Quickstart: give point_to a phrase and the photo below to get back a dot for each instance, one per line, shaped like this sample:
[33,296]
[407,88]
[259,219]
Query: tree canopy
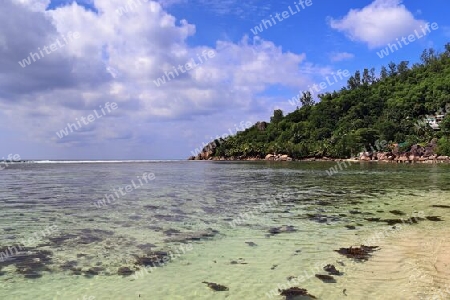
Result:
[388,107]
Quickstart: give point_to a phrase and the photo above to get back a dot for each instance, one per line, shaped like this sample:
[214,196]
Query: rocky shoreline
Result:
[416,154]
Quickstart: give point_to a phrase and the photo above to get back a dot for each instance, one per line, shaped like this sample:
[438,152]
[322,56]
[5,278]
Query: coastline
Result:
[285,158]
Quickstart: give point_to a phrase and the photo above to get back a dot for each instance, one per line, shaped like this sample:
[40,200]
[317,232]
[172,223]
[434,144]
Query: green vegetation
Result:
[370,108]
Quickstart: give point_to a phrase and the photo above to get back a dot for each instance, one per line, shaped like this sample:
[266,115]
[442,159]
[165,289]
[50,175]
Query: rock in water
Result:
[295,292]
[326,278]
[331,270]
[216,287]
[362,253]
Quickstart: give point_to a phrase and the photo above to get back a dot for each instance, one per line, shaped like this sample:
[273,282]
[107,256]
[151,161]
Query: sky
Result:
[114,79]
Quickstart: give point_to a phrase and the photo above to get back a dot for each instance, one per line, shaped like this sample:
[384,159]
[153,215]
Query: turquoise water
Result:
[246,225]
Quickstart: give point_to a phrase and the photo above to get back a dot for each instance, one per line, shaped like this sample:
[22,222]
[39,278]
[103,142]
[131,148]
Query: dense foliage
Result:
[389,108]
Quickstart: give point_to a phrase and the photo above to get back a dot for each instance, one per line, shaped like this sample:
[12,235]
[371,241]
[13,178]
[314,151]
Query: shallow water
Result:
[221,213]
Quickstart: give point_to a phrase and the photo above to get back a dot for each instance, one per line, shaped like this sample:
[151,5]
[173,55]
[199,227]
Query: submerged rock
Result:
[362,253]
[331,270]
[320,218]
[29,262]
[77,271]
[441,206]
[292,292]
[192,236]
[412,220]
[155,258]
[282,229]
[240,261]
[93,271]
[125,271]
[69,265]
[434,218]
[397,212]
[326,278]
[216,287]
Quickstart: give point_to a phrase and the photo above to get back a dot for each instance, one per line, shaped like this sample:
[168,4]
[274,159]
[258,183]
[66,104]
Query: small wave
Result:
[96,161]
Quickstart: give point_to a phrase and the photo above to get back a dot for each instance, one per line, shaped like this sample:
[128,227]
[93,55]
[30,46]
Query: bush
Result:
[444,146]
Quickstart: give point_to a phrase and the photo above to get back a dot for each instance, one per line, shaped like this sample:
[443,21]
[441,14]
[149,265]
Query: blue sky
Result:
[123,48]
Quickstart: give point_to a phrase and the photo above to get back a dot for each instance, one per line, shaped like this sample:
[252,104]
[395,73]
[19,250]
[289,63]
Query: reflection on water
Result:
[254,227]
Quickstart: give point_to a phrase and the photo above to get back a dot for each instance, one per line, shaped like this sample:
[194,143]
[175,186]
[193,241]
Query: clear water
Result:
[209,216]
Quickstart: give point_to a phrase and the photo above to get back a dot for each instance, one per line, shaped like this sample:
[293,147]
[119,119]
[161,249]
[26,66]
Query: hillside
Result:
[371,112]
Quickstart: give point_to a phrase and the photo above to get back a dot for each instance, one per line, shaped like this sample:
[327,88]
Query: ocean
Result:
[165,229]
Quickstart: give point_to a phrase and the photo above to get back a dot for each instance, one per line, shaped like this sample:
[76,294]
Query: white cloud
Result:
[340,56]
[117,58]
[379,23]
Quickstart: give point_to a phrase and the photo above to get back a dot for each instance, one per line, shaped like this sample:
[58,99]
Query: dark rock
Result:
[282,229]
[441,206]
[151,207]
[30,274]
[77,271]
[146,247]
[30,262]
[291,277]
[125,271]
[326,278]
[350,227]
[434,218]
[322,218]
[251,244]
[412,220]
[292,292]
[216,287]
[193,236]
[171,232]
[358,253]
[156,258]
[93,271]
[323,203]
[331,270]
[397,212]
[60,240]
[240,261]
[69,265]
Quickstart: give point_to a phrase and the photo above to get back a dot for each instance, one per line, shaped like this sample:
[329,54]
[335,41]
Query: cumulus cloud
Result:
[116,58]
[377,24]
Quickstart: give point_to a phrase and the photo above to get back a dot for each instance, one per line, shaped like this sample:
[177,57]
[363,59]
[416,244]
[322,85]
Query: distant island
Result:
[402,115]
